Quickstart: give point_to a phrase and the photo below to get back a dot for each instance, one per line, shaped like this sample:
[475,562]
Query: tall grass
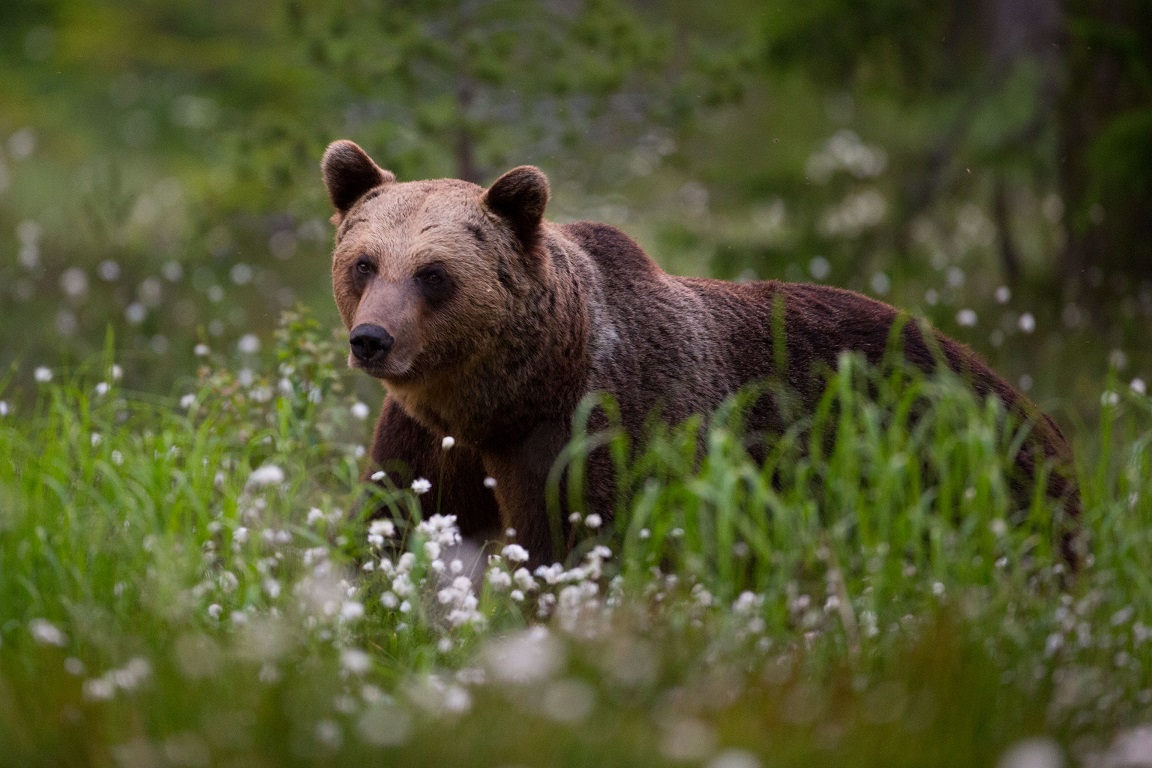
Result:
[192,583]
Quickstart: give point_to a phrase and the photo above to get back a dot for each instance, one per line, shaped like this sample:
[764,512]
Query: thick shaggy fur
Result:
[523,318]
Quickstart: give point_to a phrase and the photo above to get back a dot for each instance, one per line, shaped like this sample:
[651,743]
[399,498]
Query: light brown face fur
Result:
[430,262]
[409,260]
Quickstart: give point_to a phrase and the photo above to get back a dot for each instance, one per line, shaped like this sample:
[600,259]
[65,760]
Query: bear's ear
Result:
[349,173]
[519,197]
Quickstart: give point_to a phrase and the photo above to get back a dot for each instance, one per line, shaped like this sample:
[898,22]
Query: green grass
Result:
[877,599]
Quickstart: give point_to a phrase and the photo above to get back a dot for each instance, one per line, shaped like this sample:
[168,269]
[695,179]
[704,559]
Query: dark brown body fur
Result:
[580,308]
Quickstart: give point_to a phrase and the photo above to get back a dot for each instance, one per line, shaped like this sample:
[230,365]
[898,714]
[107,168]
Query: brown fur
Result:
[532,316]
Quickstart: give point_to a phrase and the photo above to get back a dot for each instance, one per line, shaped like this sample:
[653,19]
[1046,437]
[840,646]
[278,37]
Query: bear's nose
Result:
[370,343]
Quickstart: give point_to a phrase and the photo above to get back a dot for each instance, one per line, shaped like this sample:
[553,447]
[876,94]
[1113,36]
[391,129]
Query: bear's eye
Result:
[363,266]
[435,284]
[431,277]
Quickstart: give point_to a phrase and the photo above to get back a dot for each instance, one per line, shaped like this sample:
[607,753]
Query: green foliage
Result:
[1124,145]
[187,582]
[449,88]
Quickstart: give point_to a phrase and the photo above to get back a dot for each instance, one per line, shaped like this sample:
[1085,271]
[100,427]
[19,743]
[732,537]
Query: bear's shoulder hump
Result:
[610,248]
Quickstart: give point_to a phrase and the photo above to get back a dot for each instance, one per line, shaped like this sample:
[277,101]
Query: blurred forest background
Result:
[985,164]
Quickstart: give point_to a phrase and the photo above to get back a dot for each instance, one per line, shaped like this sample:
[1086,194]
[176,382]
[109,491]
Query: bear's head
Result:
[427,274]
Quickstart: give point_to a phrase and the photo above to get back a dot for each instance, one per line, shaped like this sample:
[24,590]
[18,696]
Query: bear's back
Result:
[618,257]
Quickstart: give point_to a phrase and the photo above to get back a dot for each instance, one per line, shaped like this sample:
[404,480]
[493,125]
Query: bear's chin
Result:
[389,372]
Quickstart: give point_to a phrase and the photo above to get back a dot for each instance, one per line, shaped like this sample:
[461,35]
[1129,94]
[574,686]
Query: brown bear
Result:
[489,324]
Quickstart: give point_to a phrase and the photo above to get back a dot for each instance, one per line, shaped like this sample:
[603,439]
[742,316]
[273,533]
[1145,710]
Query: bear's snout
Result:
[370,343]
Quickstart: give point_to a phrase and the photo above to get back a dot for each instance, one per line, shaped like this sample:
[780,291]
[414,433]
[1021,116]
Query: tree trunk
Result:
[465,141]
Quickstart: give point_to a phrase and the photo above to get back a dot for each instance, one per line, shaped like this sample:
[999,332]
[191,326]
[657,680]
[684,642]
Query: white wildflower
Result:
[402,585]
[200,350]
[515,553]
[489,482]
[1138,386]
[359,411]
[132,675]
[421,485]
[379,530]
[593,521]
[575,603]
[228,581]
[499,579]
[524,580]
[594,561]
[568,701]
[378,475]
[1027,323]
[249,344]
[748,603]
[315,515]
[328,733]
[447,442]
[687,740]
[43,375]
[47,633]
[966,318]
[351,610]
[441,529]
[734,758]
[355,661]
[462,602]
[1033,753]
[531,656]
[268,474]
[552,574]
[99,689]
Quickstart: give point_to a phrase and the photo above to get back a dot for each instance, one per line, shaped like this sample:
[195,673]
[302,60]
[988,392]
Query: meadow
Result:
[187,573]
[192,582]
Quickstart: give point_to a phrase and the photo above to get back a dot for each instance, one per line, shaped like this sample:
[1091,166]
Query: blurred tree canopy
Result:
[1057,92]
[168,150]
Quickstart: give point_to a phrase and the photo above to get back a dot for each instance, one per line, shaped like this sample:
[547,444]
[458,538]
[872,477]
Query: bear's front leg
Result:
[407,450]
[523,472]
